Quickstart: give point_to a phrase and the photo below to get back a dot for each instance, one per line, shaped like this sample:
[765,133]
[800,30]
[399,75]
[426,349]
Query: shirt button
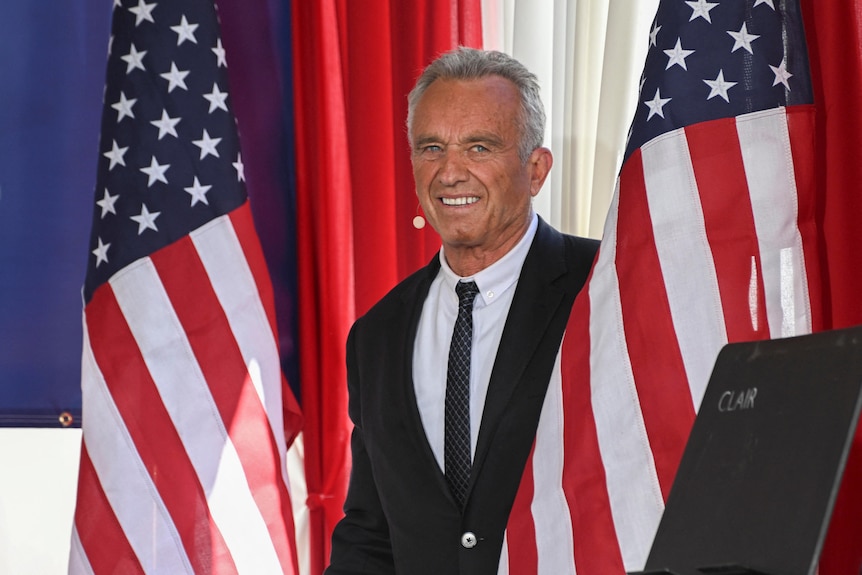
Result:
[468,540]
[490,294]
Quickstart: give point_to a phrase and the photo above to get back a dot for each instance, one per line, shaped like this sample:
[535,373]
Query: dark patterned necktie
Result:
[457,417]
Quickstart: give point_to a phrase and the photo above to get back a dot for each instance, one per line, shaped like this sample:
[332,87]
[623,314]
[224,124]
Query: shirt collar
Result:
[499,276]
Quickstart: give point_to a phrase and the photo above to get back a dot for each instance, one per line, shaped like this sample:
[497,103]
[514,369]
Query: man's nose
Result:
[453,169]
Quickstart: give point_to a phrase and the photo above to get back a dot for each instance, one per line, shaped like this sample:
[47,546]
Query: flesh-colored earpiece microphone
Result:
[418,220]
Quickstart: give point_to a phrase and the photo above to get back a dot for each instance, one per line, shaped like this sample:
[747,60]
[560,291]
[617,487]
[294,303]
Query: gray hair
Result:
[470,64]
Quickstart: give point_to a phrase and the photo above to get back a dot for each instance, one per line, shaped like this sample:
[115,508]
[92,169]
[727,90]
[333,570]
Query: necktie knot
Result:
[466,293]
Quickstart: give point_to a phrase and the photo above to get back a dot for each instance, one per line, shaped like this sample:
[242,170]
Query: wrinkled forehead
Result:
[488,103]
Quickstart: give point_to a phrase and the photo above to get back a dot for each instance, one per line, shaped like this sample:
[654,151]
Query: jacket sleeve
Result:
[360,541]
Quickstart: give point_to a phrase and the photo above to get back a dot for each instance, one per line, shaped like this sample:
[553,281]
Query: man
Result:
[433,478]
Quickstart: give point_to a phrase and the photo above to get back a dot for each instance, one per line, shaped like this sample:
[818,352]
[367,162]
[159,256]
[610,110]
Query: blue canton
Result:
[169,158]
[712,60]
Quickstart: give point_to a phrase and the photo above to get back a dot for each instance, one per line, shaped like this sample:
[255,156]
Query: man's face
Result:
[472,185]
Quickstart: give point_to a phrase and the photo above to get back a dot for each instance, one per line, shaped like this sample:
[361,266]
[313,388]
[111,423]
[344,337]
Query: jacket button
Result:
[468,540]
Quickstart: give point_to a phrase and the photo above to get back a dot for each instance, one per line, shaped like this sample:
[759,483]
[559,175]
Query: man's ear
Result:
[539,164]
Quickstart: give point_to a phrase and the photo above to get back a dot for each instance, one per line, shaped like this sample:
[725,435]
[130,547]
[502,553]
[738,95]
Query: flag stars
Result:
[143,204]
[185,31]
[701,9]
[101,252]
[781,74]
[134,59]
[207,145]
[143,11]
[146,220]
[719,87]
[216,98]
[166,125]
[107,204]
[176,78]
[239,167]
[124,107]
[767,2]
[198,192]
[677,56]
[220,54]
[653,35]
[656,105]
[156,172]
[743,39]
[116,155]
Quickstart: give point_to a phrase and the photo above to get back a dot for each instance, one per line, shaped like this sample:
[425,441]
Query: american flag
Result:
[709,240]
[184,435]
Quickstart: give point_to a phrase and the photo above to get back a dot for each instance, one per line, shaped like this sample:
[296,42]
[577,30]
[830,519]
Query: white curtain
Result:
[567,43]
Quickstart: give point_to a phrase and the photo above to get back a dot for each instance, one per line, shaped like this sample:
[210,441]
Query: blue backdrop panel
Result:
[52,70]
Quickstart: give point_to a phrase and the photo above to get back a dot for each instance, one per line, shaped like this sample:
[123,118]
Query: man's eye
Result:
[431,149]
[479,148]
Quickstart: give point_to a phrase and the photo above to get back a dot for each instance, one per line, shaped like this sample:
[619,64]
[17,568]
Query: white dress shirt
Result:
[496,285]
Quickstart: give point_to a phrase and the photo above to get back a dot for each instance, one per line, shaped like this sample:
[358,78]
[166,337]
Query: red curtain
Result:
[354,63]
[834,31]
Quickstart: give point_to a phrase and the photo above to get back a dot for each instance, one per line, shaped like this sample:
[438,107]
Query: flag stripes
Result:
[646,317]
[800,125]
[251,251]
[764,139]
[595,546]
[162,412]
[235,389]
[522,532]
[192,404]
[683,256]
[120,470]
[633,487]
[554,539]
[285,416]
[191,344]
[116,556]
[234,284]
[729,221]
[679,165]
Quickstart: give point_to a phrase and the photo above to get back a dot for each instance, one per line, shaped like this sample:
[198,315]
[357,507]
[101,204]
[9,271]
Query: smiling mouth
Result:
[459,201]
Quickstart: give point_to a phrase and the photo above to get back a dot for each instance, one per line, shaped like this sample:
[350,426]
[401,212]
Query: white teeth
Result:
[459,201]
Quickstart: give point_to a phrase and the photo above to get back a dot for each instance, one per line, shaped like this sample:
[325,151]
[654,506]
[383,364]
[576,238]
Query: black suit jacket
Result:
[400,516]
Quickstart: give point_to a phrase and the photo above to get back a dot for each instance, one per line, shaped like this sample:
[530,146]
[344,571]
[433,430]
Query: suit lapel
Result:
[536,302]
[412,303]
